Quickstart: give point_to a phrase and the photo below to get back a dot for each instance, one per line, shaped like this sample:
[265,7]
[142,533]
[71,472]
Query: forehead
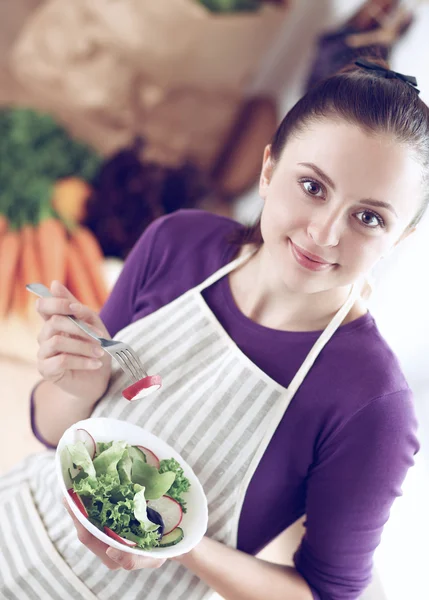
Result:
[361,164]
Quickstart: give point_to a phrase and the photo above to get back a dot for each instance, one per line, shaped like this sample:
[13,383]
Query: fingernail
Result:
[75,306]
[97,351]
[114,554]
[96,364]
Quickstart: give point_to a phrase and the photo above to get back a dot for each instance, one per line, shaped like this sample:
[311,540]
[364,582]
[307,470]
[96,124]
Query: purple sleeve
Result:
[351,486]
[118,311]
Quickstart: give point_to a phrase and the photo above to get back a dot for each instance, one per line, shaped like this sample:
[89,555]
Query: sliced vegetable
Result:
[116,489]
[118,538]
[172,538]
[170,511]
[151,458]
[78,501]
[81,435]
[142,388]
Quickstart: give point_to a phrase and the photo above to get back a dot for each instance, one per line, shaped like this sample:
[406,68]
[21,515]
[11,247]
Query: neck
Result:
[264,298]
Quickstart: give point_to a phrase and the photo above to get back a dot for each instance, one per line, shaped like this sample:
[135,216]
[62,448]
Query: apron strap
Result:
[237,262]
[324,338]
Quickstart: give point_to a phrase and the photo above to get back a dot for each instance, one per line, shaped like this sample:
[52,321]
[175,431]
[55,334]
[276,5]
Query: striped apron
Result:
[216,408]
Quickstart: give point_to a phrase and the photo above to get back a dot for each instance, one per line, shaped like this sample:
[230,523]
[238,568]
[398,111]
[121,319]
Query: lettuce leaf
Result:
[180,485]
[81,458]
[115,485]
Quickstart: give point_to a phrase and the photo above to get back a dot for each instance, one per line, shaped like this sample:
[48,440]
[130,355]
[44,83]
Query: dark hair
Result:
[360,97]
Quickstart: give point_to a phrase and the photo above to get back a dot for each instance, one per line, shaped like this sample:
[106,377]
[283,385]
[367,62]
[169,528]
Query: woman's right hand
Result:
[67,356]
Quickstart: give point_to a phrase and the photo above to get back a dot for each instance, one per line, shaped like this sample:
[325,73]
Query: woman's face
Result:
[336,202]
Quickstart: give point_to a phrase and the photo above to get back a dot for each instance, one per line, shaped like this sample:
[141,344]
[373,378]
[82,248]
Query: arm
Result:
[357,474]
[233,574]
[237,576]
[55,404]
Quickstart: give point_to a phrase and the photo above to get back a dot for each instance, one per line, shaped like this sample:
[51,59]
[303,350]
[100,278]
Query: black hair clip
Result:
[387,73]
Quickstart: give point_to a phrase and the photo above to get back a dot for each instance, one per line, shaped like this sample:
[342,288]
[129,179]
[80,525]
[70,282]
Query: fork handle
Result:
[43,292]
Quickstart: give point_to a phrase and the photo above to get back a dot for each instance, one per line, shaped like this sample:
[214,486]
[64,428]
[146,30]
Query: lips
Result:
[312,256]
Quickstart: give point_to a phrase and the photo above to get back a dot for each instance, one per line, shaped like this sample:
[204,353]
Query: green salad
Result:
[127,492]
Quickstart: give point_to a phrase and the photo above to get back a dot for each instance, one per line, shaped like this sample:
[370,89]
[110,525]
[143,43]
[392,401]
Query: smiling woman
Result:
[278,389]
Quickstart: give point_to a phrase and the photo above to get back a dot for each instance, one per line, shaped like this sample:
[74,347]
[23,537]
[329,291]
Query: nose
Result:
[325,230]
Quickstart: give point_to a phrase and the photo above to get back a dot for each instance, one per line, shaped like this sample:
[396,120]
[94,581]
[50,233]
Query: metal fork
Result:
[122,353]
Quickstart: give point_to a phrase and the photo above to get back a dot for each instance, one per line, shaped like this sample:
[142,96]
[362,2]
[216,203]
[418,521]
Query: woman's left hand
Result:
[113,559]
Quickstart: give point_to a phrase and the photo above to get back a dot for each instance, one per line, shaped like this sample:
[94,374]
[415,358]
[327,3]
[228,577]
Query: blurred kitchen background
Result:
[114,113]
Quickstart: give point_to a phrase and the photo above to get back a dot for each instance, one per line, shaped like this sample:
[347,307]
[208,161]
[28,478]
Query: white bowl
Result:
[194,522]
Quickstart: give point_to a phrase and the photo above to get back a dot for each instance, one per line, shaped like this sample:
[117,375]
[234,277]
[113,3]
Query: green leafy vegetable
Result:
[115,485]
[34,152]
[81,458]
[181,484]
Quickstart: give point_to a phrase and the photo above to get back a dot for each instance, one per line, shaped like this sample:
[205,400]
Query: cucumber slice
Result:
[172,538]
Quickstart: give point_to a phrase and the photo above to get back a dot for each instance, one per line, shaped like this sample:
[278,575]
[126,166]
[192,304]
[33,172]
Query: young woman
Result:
[278,388]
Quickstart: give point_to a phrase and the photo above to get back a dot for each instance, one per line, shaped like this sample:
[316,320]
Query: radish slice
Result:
[151,458]
[170,511]
[118,538]
[78,501]
[81,435]
[142,388]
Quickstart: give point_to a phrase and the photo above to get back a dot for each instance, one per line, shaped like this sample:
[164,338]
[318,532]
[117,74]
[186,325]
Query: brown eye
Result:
[312,187]
[370,219]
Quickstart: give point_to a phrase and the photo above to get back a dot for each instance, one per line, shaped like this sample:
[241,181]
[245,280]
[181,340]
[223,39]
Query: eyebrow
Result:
[328,181]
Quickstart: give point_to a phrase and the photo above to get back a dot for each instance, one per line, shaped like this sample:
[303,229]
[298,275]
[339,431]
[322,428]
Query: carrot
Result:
[31,268]
[20,298]
[51,238]
[10,246]
[89,249]
[78,279]
[3,224]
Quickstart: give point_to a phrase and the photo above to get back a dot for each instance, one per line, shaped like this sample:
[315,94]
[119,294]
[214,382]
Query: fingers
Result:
[65,303]
[53,369]
[58,343]
[59,324]
[91,542]
[133,562]
[113,559]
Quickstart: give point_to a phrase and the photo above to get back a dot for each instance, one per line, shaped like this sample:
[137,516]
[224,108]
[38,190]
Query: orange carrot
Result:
[30,263]
[52,246]
[78,279]
[10,246]
[20,299]
[89,249]
[3,224]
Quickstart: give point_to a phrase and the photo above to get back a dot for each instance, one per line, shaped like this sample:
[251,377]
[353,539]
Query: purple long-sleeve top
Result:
[343,447]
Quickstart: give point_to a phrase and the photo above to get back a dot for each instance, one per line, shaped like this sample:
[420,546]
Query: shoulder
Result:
[190,227]
[193,241]
[361,386]
[366,361]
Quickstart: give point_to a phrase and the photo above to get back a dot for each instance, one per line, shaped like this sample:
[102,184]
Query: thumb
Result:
[60,291]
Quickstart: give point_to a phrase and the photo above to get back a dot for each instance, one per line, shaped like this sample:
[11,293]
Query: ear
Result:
[266,173]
